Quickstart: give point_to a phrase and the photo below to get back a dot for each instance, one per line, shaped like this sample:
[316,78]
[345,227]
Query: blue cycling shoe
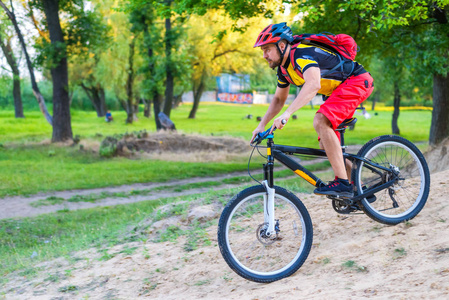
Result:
[338,188]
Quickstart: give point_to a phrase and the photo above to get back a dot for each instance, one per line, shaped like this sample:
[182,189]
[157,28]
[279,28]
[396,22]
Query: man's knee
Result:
[320,121]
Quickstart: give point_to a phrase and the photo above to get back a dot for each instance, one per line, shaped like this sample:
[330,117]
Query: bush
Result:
[108,147]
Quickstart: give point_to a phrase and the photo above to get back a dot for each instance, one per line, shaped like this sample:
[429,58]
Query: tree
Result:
[214,51]
[36,91]
[177,12]
[62,128]
[88,37]
[143,21]
[419,28]
[129,83]
[7,51]
[166,61]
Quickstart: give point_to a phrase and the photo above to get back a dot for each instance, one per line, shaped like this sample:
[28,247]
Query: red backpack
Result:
[342,43]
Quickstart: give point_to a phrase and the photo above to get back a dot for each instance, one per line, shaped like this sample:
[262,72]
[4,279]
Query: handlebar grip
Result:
[262,135]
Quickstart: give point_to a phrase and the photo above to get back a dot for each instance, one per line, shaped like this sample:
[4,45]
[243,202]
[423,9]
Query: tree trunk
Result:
[103,107]
[7,50]
[396,104]
[97,96]
[36,91]
[135,109]
[129,85]
[62,128]
[147,108]
[439,128]
[169,84]
[197,97]
[157,109]
[177,100]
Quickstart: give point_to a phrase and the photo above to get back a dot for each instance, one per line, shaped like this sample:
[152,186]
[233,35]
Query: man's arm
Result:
[312,85]
[280,96]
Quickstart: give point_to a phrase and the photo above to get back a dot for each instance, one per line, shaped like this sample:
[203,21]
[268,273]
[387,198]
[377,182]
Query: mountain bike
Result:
[265,232]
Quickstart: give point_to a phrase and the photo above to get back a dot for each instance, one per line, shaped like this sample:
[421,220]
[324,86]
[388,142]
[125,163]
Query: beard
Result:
[274,64]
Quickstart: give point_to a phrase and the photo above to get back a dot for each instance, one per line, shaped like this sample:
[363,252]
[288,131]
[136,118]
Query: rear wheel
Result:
[245,245]
[408,195]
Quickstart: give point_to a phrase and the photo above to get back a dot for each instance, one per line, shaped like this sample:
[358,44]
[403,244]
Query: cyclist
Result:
[345,91]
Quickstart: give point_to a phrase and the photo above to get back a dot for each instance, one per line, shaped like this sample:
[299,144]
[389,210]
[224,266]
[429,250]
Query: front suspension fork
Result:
[268,183]
[268,209]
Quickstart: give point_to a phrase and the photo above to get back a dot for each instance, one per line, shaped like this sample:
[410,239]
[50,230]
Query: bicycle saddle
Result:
[347,122]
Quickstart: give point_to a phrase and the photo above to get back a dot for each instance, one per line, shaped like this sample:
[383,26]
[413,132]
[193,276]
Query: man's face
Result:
[271,54]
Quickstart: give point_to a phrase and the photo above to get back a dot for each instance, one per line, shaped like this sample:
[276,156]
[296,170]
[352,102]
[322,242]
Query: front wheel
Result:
[249,251]
[406,165]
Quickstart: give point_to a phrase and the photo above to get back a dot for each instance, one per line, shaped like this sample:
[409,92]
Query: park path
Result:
[20,206]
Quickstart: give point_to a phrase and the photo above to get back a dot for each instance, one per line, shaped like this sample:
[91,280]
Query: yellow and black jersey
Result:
[306,56]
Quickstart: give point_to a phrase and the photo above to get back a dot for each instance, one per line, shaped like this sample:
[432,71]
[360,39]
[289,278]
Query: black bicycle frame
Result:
[281,152]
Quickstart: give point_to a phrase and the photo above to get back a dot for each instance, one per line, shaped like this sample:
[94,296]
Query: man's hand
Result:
[279,123]
[259,128]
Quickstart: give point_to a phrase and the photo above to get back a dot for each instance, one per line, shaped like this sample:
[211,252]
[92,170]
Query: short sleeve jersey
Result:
[307,56]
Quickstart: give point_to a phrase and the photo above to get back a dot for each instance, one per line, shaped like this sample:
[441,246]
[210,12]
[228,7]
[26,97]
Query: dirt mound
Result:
[437,157]
[179,143]
[170,142]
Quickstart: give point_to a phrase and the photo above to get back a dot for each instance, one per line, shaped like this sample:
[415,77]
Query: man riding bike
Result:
[346,90]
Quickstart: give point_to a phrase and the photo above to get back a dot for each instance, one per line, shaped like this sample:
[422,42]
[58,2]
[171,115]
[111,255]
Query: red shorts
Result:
[346,98]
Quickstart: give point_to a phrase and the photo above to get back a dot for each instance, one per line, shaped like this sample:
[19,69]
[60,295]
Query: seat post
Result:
[342,138]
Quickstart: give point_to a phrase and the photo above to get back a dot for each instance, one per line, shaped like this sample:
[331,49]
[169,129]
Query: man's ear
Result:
[282,45]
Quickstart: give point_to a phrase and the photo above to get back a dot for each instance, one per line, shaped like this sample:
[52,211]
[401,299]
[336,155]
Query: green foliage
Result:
[68,288]
[170,234]
[399,252]
[108,147]
[352,265]
[197,236]
[82,29]
[52,200]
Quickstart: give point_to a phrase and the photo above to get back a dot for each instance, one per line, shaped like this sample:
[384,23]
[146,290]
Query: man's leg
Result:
[331,144]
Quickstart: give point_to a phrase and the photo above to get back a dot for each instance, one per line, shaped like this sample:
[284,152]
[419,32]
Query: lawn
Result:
[28,166]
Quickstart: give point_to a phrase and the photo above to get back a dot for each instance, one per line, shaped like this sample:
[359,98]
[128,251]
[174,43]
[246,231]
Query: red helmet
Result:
[273,33]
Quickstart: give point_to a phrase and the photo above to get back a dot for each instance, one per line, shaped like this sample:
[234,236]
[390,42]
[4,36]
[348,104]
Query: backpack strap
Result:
[340,66]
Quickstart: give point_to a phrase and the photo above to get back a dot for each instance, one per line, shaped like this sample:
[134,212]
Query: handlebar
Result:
[264,135]
[261,136]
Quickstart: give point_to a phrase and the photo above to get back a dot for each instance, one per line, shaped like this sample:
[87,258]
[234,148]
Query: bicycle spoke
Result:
[407,172]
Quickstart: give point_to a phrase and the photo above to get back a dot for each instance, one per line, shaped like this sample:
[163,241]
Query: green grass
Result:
[31,168]
[215,119]
[352,265]
[59,234]
[28,170]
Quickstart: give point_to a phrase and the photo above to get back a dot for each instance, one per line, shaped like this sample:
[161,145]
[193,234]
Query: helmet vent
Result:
[265,38]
